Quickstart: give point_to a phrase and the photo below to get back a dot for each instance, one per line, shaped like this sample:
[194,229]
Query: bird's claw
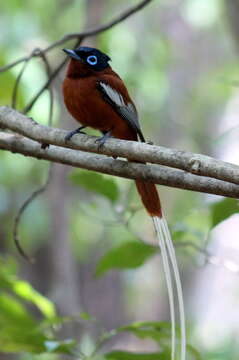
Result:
[72,133]
[103,139]
[45,146]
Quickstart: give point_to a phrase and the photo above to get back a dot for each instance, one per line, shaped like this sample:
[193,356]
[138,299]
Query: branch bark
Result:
[196,164]
[154,173]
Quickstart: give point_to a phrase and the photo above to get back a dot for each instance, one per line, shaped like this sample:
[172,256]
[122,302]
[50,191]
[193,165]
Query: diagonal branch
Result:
[45,86]
[210,258]
[154,173]
[49,80]
[88,33]
[196,164]
[23,207]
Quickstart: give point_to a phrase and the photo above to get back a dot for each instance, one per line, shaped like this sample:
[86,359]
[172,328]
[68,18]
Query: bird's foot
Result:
[101,141]
[45,146]
[72,133]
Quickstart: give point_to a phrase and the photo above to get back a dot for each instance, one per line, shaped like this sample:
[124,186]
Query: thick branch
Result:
[154,173]
[194,163]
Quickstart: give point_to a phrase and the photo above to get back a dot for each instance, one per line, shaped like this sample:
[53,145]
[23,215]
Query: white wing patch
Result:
[131,107]
[113,94]
[126,110]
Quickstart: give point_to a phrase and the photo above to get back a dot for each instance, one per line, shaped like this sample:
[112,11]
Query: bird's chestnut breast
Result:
[85,103]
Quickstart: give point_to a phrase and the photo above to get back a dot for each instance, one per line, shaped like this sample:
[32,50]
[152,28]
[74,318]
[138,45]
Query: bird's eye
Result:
[92,60]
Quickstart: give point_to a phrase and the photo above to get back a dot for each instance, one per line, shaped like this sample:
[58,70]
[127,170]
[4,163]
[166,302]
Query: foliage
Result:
[23,331]
[20,329]
[223,209]
[130,255]
[96,183]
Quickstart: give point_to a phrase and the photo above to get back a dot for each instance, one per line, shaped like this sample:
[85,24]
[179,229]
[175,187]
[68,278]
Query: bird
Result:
[96,97]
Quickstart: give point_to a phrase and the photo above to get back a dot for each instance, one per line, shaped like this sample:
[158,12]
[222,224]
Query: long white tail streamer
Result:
[168,277]
[172,256]
[164,237]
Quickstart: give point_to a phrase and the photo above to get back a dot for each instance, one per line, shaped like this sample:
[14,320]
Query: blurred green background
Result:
[179,59]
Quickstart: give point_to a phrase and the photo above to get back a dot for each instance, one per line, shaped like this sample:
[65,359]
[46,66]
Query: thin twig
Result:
[210,258]
[34,53]
[17,82]
[43,187]
[48,82]
[51,94]
[88,33]
[21,211]
[45,86]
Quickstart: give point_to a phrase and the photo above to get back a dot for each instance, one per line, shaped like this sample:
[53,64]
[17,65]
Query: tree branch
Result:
[79,38]
[154,173]
[88,33]
[209,258]
[51,75]
[196,164]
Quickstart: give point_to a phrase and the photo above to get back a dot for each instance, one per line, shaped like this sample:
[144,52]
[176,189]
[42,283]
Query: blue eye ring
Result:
[92,60]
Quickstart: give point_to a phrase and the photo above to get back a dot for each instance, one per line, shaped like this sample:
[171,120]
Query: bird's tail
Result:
[151,201]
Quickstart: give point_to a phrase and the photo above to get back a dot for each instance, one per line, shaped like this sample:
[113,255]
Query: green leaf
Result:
[64,347]
[8,280]
[223,209]
[86,316]
[14,311]
[26,291]
[97,183]
[160,332]
[124,355]
[157,331]
[195,354]
[19,331]
[127,256]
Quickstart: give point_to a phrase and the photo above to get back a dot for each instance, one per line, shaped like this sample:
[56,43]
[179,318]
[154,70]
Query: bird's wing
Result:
[126,110]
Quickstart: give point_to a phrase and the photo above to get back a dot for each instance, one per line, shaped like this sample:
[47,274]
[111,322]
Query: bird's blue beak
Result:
[72,54]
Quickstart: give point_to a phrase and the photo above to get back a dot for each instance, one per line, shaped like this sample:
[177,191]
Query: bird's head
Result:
[90,58]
